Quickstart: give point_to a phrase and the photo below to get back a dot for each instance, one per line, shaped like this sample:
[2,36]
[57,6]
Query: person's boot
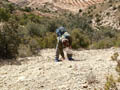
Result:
[56,60]
[70,59]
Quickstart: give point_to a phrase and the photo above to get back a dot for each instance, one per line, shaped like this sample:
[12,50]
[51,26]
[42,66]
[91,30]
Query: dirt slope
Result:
[42,73]
[72,5]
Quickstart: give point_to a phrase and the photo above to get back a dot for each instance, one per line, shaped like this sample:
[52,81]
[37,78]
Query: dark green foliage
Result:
[27,9]
[10,7]
[9,40]
[105,37]
[49,40]
[36,29]
[34,46]
[103,32]
[105,43]
[25,18]
[4,14]
[79,40]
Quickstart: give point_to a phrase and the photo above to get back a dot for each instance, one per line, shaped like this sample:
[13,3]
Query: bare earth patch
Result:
[42,73]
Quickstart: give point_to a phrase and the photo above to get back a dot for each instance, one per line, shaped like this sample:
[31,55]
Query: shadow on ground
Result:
[9,62]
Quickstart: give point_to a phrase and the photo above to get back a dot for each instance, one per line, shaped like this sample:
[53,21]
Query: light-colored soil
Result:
[72,5]
[43,73]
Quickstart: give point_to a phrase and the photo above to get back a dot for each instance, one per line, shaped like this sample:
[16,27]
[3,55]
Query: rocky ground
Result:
[86,72]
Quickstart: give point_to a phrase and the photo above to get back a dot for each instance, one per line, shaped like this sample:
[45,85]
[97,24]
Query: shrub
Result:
[117,40]
[49,40]
[24,50]
[110,84]
[36,29]
[115,56]
[118,68]
[26,18]
[24,35]
[9,40]
[117,44]
[101,44]
[34,46]
[4,14]
[79,39]
[11,7]
[27,9]
[118,79]
[103,32]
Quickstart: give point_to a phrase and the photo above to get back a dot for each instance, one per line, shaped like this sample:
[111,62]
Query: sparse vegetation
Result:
[110,84]
[38,32]
[9,40]
[115,56]
[4,14]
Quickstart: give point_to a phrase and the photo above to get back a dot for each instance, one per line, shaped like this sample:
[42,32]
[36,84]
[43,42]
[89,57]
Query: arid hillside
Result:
[72,5]
[106,13]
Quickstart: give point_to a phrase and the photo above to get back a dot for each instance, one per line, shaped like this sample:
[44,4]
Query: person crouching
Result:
[64,41]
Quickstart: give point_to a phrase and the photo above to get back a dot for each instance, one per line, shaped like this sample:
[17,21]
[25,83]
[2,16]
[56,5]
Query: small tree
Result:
[9,40]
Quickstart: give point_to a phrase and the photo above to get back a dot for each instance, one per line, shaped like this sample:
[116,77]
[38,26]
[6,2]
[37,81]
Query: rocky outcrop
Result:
[109,17]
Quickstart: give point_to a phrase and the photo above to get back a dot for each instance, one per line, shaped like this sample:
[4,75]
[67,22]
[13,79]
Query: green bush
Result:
[24,50]
[105,43]
[24,35]
[27,9]
[4,14]
[105,37]
[10,7]
[36,29]
[34,46]
[79,40]
[110,84]
[117,40]
[117,43]
[9,40]
[49,40]
[102,33]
